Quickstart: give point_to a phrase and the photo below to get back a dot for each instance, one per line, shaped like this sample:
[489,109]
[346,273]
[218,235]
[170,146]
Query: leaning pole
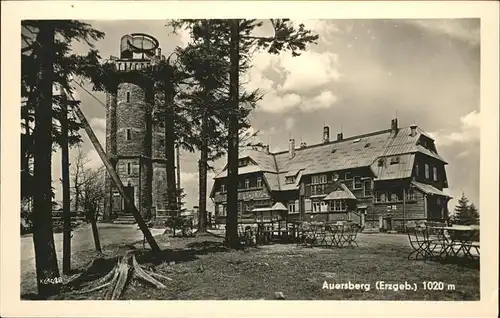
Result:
[116,180]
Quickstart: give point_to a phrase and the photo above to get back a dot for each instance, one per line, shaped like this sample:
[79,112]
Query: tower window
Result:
[128,97]
[129,134]
[129,168]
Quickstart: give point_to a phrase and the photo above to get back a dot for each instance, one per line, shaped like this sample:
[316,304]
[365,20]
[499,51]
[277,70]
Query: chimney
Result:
[303,145]
[413,129]
[394,127]
[340,136]
[291,148]
[326,134]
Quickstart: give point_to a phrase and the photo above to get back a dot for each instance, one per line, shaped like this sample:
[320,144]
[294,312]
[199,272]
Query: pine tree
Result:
[285,38]
[237,43]
[206,97]
[466,213]
[473,214]
[46,63]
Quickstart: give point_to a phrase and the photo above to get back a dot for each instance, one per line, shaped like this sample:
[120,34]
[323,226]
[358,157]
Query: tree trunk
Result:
[170,151]
[47,272]
[178,169]
[202,172]
[95,233]
[232,151]
[65,191]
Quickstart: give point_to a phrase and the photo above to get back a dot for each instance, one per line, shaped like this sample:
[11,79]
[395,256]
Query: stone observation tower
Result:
[135,140]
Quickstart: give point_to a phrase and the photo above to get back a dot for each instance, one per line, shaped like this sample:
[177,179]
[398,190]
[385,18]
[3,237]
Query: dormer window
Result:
[381,162]
[289,180]
[243,162]
[367,145]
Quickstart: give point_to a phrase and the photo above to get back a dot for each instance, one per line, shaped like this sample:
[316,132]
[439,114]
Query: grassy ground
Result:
[201,268]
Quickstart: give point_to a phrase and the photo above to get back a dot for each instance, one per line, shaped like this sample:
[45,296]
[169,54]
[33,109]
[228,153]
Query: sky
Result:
[359,76]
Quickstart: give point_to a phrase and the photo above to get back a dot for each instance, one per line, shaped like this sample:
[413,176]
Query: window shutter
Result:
[308,205]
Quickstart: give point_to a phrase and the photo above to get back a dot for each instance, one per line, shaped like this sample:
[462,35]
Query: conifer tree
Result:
[239,43]
[466,213]
[47,62]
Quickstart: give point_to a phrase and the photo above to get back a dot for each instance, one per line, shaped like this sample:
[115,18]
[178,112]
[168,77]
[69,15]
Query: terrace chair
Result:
[353,234]
[417,236]
[436,239]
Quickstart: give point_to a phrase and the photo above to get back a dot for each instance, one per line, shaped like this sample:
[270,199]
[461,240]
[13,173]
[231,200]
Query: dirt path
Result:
[82,240]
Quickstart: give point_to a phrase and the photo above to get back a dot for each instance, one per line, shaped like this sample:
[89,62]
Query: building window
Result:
[223,188]
[128,97]
[410,194]
[438,200]
[394,160]
[338,205]
[243,162]
[318,184]
[357,183]
[129,168]
[320,206]
[240,185]
[292,207]
[321,179]
[289,180]
[128,134]
[247,184]
[367,188]
[348,176]
[435,173]
[427,171]
[417,170]
[259,182]
[224,210]
[380,196]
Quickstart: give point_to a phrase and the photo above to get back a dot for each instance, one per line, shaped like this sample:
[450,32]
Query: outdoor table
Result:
[460,236]
[329,234]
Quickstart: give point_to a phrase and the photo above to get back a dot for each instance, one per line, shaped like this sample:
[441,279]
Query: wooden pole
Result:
[65,189]
[116,180]
[404,209]
[178,155]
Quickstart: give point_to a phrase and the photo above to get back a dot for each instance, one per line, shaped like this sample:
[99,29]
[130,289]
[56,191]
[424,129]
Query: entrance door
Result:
[129,192]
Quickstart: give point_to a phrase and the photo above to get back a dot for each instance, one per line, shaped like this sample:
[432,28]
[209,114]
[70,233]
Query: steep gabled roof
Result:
[354,152]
